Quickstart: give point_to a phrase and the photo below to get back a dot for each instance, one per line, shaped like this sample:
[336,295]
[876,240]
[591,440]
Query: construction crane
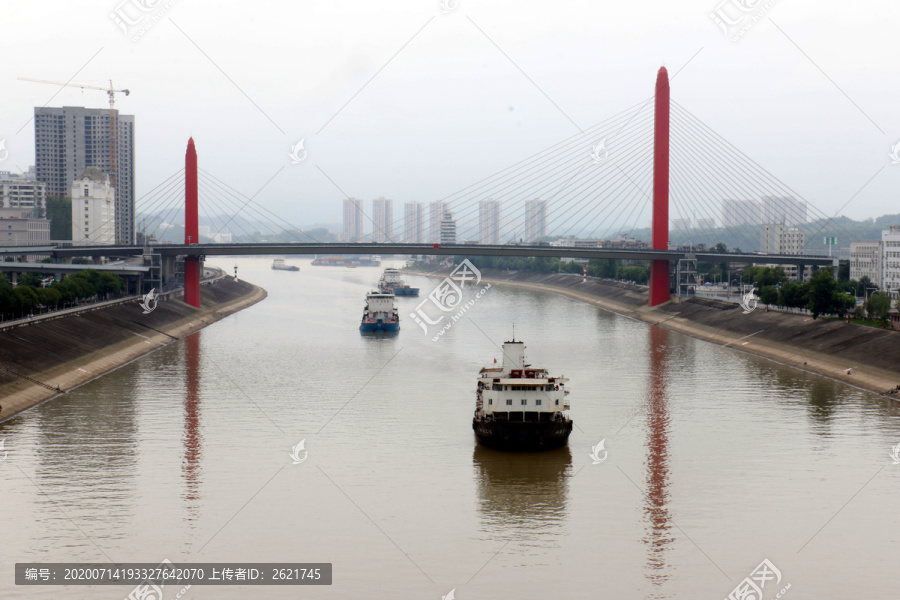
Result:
[113,130]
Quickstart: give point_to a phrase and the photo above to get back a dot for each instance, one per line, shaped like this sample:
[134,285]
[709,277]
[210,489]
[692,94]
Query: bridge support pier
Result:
[191,227]
[659,269]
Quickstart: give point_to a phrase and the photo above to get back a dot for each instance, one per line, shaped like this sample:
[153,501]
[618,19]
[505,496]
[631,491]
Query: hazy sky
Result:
[810,91]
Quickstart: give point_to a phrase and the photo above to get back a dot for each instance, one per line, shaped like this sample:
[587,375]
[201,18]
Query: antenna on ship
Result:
[514,332]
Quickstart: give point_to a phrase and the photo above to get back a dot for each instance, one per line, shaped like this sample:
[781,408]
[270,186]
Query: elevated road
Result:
[524,250]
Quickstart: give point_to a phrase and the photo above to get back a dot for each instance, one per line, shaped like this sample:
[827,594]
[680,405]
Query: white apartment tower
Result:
[535,219]
[413,222]
[93,209]
[18,190]
[353,220]
[489,221]
[383,220]
[436,212]
[448,229]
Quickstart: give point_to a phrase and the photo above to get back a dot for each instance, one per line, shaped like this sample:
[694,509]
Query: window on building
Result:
[524,402]
[490,400]
[537,402]
[509,402]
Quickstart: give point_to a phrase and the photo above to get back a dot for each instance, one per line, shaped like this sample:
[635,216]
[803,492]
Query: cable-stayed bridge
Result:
[655,161]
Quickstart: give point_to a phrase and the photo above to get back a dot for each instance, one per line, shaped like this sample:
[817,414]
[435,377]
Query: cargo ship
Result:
[392,281]
[279,265]
[380,314]
[520,407]
[346,261]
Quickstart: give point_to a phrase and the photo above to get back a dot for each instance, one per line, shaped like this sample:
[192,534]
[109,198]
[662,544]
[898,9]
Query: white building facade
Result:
[890,239]
[535,219]
[93,209]
[21,190]
[866,261]
[353,220]
[383,220]
[489,221]
[414,223]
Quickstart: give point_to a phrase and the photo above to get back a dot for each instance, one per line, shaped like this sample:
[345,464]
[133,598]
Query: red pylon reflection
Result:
[657,479]
[190,466]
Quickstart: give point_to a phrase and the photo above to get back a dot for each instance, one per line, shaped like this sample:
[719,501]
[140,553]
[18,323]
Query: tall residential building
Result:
[866,261]
[383,220]
[890,261]
[353,220]
[741,212]
[489,221]
[69,139]
[535,219]
[792,241]
[436,211]
[448,229]
[93,209]
[18,190]
[783,209]
[681,224]
[414,223]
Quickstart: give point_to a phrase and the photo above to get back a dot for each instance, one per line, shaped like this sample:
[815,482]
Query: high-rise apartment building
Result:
[783,209]
[741,212]
[489,221]
[535,219]
[448,228]
[681,224]
[383,220]
[777,239]
[706,223]
[353,220]
[436,211]
[414,223]
[69,139]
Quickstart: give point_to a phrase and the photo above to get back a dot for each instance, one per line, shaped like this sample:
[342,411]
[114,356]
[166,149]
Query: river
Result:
[713,460]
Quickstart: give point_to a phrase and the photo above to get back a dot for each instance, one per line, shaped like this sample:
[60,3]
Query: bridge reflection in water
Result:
[190,465]
[658,535]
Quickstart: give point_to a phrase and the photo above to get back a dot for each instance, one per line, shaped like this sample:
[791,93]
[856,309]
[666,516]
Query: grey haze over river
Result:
[716,460]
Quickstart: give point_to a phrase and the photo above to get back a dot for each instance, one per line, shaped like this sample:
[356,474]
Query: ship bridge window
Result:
[509,402]
[557,402]
[524,402]
[537,402]
[490,400]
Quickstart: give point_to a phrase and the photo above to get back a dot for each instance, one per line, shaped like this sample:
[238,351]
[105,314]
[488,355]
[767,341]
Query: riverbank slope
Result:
[824,347]
[43,359]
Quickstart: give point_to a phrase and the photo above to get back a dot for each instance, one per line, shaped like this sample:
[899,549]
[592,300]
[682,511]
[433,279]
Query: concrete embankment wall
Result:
[824,347]
[44,358]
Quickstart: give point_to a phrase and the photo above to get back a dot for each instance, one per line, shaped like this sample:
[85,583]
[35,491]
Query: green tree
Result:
[825,296]
[878,306]
[27,298]
[768,295]
[30,279]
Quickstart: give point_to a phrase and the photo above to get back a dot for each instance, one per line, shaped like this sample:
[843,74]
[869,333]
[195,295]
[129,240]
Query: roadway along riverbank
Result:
[824,347]
[43,359]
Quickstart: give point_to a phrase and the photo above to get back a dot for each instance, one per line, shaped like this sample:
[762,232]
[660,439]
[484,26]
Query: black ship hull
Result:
[522,435]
